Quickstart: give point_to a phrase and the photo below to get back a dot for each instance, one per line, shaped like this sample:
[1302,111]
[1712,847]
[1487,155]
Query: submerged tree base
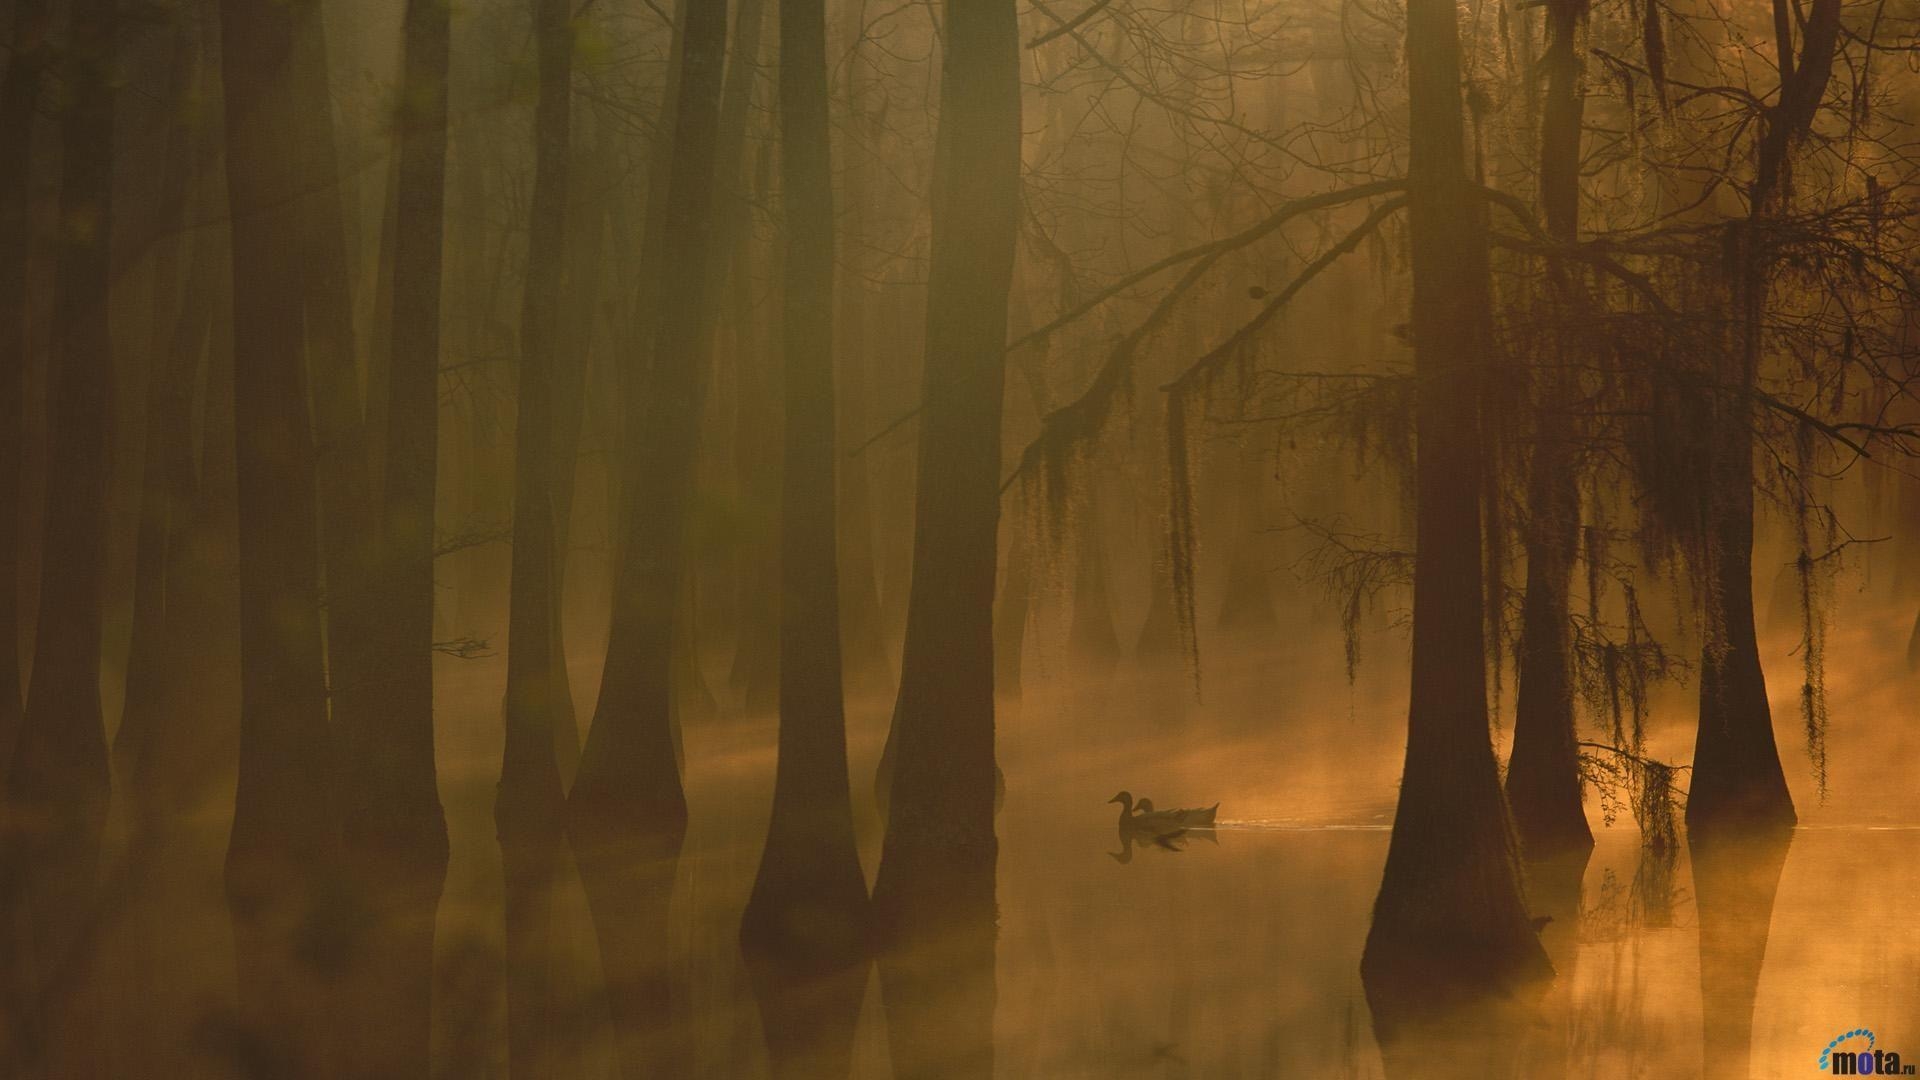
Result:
[809,999]
[1414,982]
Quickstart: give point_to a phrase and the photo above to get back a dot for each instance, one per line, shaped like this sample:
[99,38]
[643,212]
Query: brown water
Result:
[1238,954]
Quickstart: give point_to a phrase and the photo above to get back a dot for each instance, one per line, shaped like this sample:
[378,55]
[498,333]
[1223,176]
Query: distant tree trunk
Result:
[578,313]
[1449,921]
[58,782]
[868,666]
[283,857]
[1013,607]
[1543,772]
[1737,778]
[528,809]
[392,826]
[168,472]
[1010,613]
[934,898]
[177,728]
[19,97]
[1091,638]
[627,812]
[809,901]
[756,564]
[350,529]
[1247,606]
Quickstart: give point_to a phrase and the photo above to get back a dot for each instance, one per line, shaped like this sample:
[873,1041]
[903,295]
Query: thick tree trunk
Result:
[1543,773]
[168,471]
[943,722]
[865,657]
[171,697]
[567,370]
[1737,778]
[808,909]
[57,783]
[528,809]
[19,97]
[350,527]
[1449,923]
[755,671]
[392,826]
[934,898]
[283,858]
[627,812]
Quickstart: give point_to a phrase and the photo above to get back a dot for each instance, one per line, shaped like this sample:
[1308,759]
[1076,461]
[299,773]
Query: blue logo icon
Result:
[1844,1056]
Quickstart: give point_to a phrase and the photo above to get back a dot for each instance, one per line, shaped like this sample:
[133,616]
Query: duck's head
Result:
[1144,806]
[1124,798]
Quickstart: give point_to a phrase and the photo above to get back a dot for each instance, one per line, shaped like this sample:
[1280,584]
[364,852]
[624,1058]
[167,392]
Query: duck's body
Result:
[1141,817]
[1183,819]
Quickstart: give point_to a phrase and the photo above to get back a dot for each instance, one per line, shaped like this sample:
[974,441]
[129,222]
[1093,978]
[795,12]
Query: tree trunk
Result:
[392,826]
[350,526]
[1543,772]
[1449,923]
[58,780]
[283,857]
[567,371]
[19,97]
[869,668]
[809,901]
[1737,778]
[527,811]
[934,898]
[168,472]
[755,673]
[627,812]
[1247,607]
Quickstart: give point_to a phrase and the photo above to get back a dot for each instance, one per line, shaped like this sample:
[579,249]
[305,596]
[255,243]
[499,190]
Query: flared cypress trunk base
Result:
[809,998]
[809,903]
[1549,818]
[532,834]
[1450,931]
[397,887]
[627,869]
[1738,785]
[290,925]
[935,923]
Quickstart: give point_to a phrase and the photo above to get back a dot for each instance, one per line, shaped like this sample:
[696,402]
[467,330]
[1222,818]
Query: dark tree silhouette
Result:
[627,812]
[1449,921]
[934,896]
[1737,779]
[393,830]
[169,473]
[528,809]
[19,96]
[57,783]
[283,859]
[754,673]
[1543,773]
[809,898]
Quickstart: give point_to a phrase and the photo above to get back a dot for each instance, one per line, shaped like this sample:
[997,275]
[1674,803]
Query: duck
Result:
[1141,816]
